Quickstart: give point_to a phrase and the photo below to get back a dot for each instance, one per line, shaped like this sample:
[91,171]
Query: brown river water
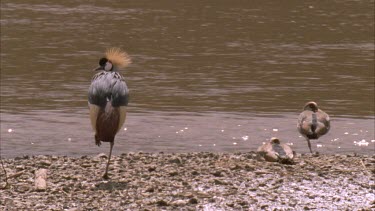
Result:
[221,76]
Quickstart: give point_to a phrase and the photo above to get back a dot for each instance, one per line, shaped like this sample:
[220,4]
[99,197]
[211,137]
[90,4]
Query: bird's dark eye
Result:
[102,61]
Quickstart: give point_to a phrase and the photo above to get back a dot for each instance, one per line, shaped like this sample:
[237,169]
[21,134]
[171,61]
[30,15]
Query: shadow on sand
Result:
[111,185]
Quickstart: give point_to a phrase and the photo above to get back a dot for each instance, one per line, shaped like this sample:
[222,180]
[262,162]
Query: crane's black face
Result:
[104,64]
[102,61]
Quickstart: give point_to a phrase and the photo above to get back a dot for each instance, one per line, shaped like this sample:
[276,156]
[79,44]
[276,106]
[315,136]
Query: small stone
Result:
[150,189]
[264,206]
[86,165]
[162,203]
[40,179]
[39,206]
[219,182]
[151,168]
[193,201]
[45,163]
[217,174]
[230,204]
[101,155]
[23,188]
[174,173]
[195,173]
[20,167]
[179,203]
[175,160]
[8,202]
[249,168]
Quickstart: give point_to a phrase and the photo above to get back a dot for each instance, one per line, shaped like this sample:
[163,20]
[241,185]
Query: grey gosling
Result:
[108,97]
[274,151]
[313,122]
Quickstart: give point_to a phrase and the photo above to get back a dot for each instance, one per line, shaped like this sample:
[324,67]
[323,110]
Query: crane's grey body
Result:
[108,86]
[313,122]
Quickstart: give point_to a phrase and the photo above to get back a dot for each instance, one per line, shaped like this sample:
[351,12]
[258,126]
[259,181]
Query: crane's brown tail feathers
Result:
[108,122]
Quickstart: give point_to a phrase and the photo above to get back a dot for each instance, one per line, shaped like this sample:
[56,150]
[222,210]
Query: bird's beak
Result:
[98,68]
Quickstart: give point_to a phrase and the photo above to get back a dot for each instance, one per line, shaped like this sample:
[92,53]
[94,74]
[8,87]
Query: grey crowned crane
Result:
[313,122]
[108,97]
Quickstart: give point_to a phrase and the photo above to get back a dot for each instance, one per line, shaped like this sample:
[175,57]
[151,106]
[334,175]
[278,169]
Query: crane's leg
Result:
[309,144]
[105,176]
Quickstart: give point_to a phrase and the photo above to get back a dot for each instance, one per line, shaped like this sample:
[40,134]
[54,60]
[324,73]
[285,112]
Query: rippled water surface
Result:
[206,75]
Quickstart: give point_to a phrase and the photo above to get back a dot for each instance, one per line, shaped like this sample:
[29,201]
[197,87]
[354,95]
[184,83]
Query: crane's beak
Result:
[98,68]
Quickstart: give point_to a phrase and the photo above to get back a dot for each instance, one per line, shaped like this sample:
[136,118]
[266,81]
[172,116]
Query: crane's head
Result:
[311,106]
[104,64]
[115,59]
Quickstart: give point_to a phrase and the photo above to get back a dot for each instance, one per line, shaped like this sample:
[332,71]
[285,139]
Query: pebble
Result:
[179,203]
[45,163]
[40,179]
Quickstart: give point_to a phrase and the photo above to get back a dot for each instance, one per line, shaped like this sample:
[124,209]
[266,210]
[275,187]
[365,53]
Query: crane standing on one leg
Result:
[108,97]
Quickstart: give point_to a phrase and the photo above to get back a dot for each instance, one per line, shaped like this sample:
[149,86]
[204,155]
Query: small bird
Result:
[274,151]
[108,98]
[313,122]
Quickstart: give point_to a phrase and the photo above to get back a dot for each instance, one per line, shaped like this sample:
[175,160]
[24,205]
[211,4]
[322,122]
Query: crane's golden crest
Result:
[118,57]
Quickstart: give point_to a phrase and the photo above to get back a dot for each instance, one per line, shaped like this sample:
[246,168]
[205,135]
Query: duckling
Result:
[274,151]
[313,122]
[108,97]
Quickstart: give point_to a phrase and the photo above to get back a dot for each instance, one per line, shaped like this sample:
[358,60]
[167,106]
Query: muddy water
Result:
[206,76]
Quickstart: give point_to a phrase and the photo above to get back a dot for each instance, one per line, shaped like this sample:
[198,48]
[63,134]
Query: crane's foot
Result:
[105,176]
[97,140]
[315,154]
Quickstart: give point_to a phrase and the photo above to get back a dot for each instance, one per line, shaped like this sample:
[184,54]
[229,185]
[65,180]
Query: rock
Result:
[175,160]
[9,204]
[218,174]
[193,201]
[162,203]
[195,173]
[179,203]
[86,165]
[230,204]
[40,179]
[173,173]
[20,167]
[39,206]
[264,206]
[45,163]
[219,182]
[150,189]
[102,155]
[22,188]
[151,168]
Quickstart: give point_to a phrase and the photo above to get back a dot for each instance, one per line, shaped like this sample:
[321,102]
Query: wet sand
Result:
[190,181]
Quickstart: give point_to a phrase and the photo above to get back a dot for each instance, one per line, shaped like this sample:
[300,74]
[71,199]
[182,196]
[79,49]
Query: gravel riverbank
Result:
[190,181]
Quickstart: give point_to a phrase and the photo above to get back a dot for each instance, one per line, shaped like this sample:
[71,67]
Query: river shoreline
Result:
[190,181]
